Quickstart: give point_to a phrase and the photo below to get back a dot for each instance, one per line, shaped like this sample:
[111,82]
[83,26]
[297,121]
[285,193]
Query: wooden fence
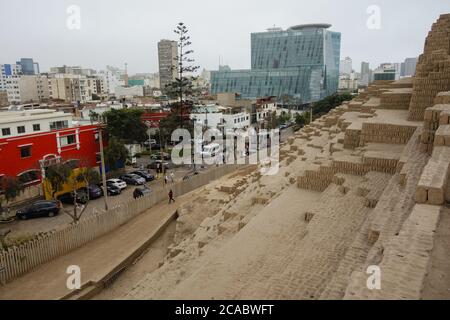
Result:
[18,260]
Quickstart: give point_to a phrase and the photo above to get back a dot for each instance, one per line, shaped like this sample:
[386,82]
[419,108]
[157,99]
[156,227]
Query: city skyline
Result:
[130,32]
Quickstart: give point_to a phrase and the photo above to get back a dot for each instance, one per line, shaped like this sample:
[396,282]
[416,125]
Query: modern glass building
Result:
[302,62]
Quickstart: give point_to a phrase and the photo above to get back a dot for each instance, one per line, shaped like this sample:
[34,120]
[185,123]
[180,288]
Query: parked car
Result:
[41,208]
[113,190]
[140,192]
[133,179]
[147,176]
[153,164]
[69,197]
[158,155]
[156,146]
[95,192]
[116,182]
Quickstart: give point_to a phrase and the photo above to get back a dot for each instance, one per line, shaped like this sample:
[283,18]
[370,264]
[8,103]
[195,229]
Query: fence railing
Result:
[18,260]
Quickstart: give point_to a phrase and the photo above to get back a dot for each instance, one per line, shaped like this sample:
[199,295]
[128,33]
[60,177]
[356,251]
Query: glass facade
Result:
[302,62]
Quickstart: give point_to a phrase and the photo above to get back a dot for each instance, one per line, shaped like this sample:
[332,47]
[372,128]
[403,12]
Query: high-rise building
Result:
[29,67]
[346,66]
[410,67]
[301,62]
[168,67]
[366,74]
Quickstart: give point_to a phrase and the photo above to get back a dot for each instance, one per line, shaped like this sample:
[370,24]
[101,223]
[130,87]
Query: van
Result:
[210,150]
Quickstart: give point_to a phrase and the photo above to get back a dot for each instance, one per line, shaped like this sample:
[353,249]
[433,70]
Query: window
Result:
[36,127]
[25,152]
[68,140]
[6,131]
[21,129]
[29,176]
[56,125]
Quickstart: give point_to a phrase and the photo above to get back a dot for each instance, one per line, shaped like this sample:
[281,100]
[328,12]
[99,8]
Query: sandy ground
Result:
[148,262]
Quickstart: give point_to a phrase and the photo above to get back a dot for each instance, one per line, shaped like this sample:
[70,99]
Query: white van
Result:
[210,150]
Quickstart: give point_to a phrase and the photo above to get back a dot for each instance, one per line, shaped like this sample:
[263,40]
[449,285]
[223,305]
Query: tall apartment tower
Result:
[168,68]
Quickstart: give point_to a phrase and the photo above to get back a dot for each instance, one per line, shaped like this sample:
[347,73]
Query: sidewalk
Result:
[97,260]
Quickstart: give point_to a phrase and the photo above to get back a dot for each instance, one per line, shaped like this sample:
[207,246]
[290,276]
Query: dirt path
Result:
[148,262]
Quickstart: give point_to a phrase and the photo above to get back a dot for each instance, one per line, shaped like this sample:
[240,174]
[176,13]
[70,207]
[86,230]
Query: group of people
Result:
[170,177]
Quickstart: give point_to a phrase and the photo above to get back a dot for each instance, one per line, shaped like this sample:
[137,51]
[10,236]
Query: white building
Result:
[18,123]
[112,78]
[219,117]
[24,89]
[345,66]
[129,92]
[100,109]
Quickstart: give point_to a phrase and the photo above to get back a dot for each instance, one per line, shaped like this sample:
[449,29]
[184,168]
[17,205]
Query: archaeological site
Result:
[364,187]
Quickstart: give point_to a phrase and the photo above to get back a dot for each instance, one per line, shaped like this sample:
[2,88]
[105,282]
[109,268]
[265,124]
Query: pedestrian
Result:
[166,179]
[172,177]
[171,196]
[157,169]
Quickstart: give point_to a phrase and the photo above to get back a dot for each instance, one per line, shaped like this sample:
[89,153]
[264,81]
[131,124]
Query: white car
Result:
[117,183]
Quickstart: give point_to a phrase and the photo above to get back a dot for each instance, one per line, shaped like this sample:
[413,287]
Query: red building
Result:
[154,118]
[24,155]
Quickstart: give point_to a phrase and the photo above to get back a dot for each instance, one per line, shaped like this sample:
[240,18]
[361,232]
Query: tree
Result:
[10,189]
[300,119]
[56,176]
[115,153]
[87,176]
[170,123]
[182,85]
[126,125]
[93,116]
[330,102]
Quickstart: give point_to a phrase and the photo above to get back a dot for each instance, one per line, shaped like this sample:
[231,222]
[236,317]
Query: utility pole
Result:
[102,159]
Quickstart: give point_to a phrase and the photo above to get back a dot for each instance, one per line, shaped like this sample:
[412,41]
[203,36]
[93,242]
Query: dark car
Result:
[39,209]
[113,190]
[158,155]
[153,164]
[132,179]
[95,192]
[68,198]
[147,176]
[140,192]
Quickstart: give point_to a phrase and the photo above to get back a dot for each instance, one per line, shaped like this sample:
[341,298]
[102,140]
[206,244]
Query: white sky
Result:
[114,32]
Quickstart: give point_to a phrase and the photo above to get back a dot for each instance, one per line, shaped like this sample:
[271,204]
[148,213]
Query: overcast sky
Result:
[117,31]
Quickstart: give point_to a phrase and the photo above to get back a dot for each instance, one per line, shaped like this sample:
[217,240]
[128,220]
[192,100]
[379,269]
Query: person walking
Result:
[166,179]
[172,177]
[171,196]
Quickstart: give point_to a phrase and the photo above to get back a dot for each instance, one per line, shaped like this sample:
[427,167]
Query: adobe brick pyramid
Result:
[433,69]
